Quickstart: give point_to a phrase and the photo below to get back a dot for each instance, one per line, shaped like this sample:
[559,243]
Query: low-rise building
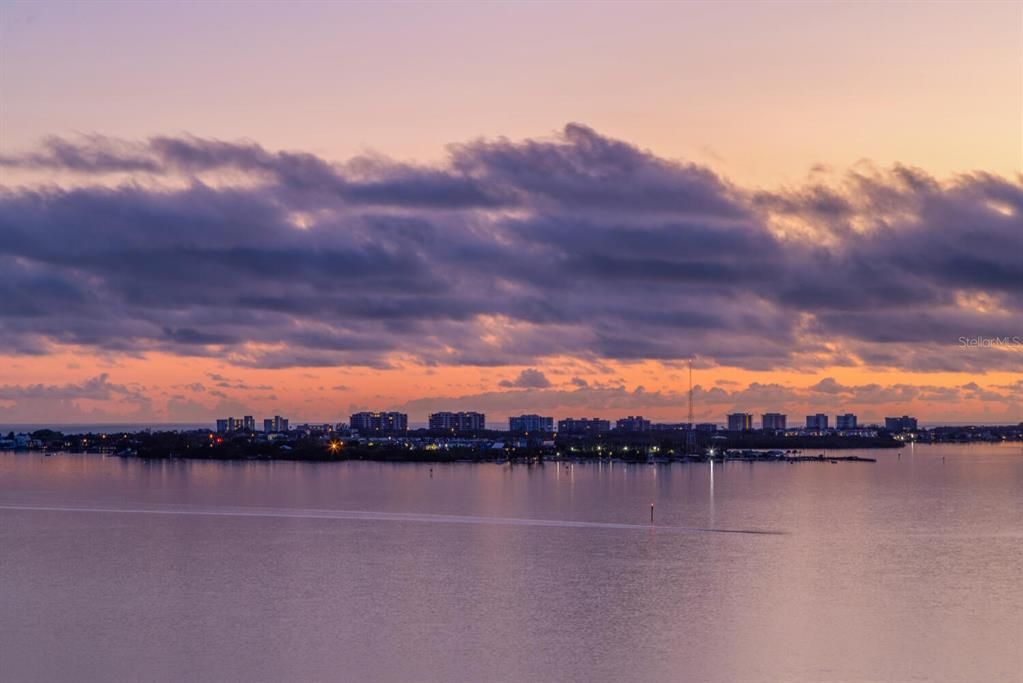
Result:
[633,423]
[900,424]
[583,425]
[670,426]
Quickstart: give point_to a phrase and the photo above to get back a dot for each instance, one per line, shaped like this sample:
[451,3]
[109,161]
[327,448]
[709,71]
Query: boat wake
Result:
[374,516]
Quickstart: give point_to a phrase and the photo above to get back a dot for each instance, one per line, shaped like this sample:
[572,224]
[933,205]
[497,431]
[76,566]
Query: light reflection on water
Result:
[907,569]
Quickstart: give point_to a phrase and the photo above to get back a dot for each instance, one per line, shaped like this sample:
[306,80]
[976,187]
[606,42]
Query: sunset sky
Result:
[226,209]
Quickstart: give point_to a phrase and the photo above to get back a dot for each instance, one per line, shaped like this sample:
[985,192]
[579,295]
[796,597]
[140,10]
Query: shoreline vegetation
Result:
[323,445]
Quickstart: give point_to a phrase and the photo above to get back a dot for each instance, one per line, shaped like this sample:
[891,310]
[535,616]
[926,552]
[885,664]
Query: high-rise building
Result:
[740,422]
[772,422]
[583,425]
[817,423]
[232,424]
[463,421]
[379,423]
[900,424]
[524,424]
[633,424]
[847,421]
[275,424]
[249,423]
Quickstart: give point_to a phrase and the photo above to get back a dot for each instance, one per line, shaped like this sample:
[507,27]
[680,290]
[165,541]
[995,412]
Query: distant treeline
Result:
[742,440]
[416,447]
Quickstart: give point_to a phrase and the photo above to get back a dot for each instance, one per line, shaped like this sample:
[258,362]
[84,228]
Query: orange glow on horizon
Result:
[167,389]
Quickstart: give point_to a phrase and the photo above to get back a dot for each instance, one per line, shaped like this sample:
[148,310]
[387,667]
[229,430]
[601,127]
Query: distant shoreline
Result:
[437,447]
[432,459]
[327,444]
[76,428]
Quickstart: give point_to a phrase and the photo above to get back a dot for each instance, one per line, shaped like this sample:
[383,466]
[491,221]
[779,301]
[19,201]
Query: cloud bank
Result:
[511,251]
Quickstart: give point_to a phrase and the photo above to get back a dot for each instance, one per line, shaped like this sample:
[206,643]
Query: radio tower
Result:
[691,432]
[691,425]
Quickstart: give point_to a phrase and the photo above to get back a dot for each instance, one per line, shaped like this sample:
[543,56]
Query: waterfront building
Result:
[583,425]
[463,421]
[670,426]
[845,422]
[378,423]
[233,424]
[773,422]
[632,424]
[900,424]
[706,427]
[276,424]
[740,422]
[817,423]
[523,424]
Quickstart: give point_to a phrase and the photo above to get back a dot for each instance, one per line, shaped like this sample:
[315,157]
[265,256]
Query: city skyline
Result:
[834,234]
[394,422]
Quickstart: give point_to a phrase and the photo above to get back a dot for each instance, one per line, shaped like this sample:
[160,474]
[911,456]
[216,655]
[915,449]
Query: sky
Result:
[217,209]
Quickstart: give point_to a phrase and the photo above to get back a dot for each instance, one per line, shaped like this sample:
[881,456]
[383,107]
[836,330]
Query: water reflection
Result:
[710,495]
[907,569]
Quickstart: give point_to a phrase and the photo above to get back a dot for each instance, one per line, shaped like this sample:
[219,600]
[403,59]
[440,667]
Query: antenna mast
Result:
[691,425]
[691,432]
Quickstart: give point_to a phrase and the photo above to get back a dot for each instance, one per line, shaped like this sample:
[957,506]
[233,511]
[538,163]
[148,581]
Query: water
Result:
[123,570]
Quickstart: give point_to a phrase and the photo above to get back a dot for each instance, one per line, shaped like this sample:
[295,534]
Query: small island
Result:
[339,443]
[327,443]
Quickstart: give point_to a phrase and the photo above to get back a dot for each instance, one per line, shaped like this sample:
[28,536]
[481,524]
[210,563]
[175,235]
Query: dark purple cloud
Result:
[579,245]
[529,378]
[98,388]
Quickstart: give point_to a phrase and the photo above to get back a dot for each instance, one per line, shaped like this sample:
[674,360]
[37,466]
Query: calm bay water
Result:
[910,569]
